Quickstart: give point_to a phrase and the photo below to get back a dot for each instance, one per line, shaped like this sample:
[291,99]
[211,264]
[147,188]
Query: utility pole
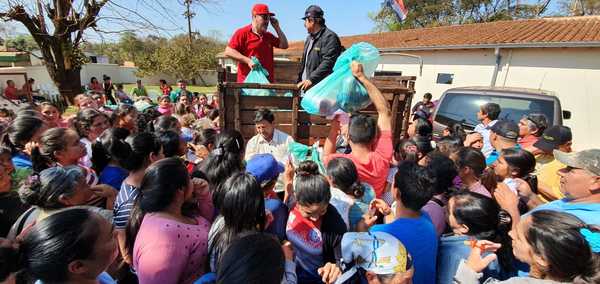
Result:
[189,15]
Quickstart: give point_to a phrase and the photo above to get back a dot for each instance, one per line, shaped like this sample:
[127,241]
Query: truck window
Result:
[463,108]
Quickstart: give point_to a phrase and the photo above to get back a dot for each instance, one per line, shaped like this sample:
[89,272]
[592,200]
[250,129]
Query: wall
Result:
[118,74]
[572,73]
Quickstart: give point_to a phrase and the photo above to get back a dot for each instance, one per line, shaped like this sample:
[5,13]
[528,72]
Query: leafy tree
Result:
[22,43]
[432,13]
[59,38]
[580,7]
[172,57]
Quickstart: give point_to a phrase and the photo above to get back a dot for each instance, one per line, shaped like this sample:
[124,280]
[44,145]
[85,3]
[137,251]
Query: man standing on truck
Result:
[321,49]
[255,41]
[488,115]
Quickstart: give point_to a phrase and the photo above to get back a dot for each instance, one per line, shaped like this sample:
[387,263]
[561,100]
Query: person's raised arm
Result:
[283,42]
[334,130]
[384,120]
[236,55]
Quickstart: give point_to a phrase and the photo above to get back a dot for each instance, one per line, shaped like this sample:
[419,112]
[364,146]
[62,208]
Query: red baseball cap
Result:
[261,9]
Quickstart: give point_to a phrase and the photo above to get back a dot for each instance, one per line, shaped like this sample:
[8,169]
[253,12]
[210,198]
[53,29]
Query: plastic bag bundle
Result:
[260,75]
[340,90]
[300,152]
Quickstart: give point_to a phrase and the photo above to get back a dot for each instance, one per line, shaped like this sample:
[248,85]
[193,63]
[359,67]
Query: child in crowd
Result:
[164,105]
[473,217]
[52,115]
[349,196]
[314,227]
[109,155]
[89,124]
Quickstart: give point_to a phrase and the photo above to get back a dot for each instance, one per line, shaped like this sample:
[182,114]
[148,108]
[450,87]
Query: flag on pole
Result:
[398,7]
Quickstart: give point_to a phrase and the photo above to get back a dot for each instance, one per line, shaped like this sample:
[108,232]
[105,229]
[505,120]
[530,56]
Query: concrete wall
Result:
[209,77]
[118,74]
[572,73]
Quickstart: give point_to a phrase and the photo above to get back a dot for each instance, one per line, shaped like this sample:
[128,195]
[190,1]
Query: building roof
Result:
[545,32]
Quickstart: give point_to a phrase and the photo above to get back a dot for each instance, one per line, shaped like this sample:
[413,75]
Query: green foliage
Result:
[154,55]
[22,43]
[180,59]
[432,13]
[580,7]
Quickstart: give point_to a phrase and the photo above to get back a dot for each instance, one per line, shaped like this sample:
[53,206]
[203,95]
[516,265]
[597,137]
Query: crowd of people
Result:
[160,192]
[142,196]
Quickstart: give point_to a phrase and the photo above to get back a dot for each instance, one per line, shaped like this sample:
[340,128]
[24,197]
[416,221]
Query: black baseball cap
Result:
[506,128]
[553,137]
[313,11]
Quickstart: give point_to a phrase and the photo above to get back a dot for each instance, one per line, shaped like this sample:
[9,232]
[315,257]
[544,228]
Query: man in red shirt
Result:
[370,140]
[255,40]
[11,92]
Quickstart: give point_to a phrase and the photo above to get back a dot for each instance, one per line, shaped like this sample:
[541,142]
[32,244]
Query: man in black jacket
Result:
[321,49]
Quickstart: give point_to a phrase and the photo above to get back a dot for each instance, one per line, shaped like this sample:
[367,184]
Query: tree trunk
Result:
[69,84]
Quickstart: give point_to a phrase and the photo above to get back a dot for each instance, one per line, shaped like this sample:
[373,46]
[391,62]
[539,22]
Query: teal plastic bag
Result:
[340,90]
[301,152]
[260,75]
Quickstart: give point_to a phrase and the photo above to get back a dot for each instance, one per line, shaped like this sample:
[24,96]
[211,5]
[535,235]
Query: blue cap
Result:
[264,168]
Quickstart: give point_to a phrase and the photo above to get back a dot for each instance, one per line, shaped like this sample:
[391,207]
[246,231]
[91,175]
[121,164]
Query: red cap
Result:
[261,9]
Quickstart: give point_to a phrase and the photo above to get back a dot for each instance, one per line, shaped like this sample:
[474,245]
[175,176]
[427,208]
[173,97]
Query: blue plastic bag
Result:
[300,152]
[260,75]
[340,90]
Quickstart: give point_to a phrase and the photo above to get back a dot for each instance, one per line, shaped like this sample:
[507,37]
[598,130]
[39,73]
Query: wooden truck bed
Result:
[237,111]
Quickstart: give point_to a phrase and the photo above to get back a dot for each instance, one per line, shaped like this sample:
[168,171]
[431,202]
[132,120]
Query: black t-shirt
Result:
[11,208]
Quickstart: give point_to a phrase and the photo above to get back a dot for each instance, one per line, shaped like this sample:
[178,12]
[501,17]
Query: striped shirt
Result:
[124,205]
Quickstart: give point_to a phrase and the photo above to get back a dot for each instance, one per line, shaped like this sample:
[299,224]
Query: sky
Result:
[348,17]
[345,17]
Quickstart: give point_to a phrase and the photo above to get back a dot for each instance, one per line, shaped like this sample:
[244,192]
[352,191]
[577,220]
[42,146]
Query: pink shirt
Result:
[164,110]
[479,188]
[167,251]
[375,170]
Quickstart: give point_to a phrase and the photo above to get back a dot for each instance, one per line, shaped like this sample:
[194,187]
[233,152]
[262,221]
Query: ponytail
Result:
[157,191]
[42,156]
[485,220]
[225,158]
[111,145]
[343,174]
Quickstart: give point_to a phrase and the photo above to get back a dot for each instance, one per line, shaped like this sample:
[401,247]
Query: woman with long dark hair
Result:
[109,155]
[242,210]
[225,159]
[256,258]
[58,146]
[144,150]
[473,217]
[21,136]
[71,246]
[558,247]
[514,168]
[349,196]
[470,163]
[314,227]
[167,240]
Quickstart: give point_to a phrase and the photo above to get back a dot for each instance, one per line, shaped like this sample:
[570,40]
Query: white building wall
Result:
[572,73]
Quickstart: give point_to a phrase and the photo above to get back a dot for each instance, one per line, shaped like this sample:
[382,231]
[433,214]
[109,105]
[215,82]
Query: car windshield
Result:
[463,108]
